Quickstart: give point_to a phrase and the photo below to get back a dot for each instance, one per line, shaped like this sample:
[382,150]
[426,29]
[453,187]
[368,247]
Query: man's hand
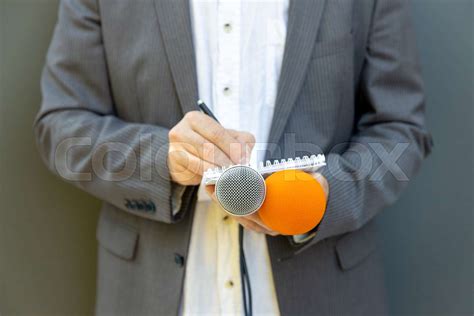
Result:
[198,143]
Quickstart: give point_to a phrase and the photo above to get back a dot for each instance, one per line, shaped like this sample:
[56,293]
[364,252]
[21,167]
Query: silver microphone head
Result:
[240,190]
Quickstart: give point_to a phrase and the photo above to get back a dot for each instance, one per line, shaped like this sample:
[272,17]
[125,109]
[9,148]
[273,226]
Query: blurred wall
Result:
[427,236]
[47,228]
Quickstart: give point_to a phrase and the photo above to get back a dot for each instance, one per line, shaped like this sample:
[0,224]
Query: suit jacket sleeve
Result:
[77,123]
[363,178]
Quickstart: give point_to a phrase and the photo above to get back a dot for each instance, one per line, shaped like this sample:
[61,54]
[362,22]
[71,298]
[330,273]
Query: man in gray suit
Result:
[119,99]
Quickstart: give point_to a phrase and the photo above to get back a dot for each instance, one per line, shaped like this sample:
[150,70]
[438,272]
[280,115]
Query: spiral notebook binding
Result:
[306,163]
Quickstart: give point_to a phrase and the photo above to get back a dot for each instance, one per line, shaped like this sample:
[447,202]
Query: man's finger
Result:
[187,162]
[255,218]
[211,189]
[184,136]
[244,137]
[255,226]
[247,141]
[201,147]
[250,225]
[216,134]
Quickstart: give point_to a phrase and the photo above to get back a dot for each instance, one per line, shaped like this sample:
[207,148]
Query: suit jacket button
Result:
[179,259]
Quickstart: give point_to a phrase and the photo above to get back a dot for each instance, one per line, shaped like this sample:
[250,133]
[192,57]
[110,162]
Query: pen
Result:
[203,107]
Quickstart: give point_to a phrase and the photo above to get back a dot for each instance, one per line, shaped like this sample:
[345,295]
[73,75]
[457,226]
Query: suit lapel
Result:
[174,19]
[303,23]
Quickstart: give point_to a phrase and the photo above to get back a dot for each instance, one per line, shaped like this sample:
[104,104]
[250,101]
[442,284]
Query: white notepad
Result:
[307,164]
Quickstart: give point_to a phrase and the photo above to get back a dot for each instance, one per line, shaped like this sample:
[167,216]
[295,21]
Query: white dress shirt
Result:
[239,48]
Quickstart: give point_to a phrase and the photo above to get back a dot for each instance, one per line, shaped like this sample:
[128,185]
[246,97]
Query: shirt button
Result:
[229,284]
[227,91]
[227,27]
[225,218]
[179,259]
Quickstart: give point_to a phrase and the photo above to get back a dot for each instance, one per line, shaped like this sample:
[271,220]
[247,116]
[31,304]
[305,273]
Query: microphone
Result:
[240,190]
[290,201]
[295,202]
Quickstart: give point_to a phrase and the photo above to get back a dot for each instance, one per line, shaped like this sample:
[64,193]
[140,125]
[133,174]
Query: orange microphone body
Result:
[295,202]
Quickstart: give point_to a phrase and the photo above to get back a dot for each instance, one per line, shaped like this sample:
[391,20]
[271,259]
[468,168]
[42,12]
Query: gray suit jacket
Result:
[120,74]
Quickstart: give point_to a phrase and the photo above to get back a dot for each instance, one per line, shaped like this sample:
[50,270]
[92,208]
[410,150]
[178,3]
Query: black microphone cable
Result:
[244,276]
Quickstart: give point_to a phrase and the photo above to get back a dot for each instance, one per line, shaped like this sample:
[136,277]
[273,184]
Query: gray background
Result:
[47,228]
